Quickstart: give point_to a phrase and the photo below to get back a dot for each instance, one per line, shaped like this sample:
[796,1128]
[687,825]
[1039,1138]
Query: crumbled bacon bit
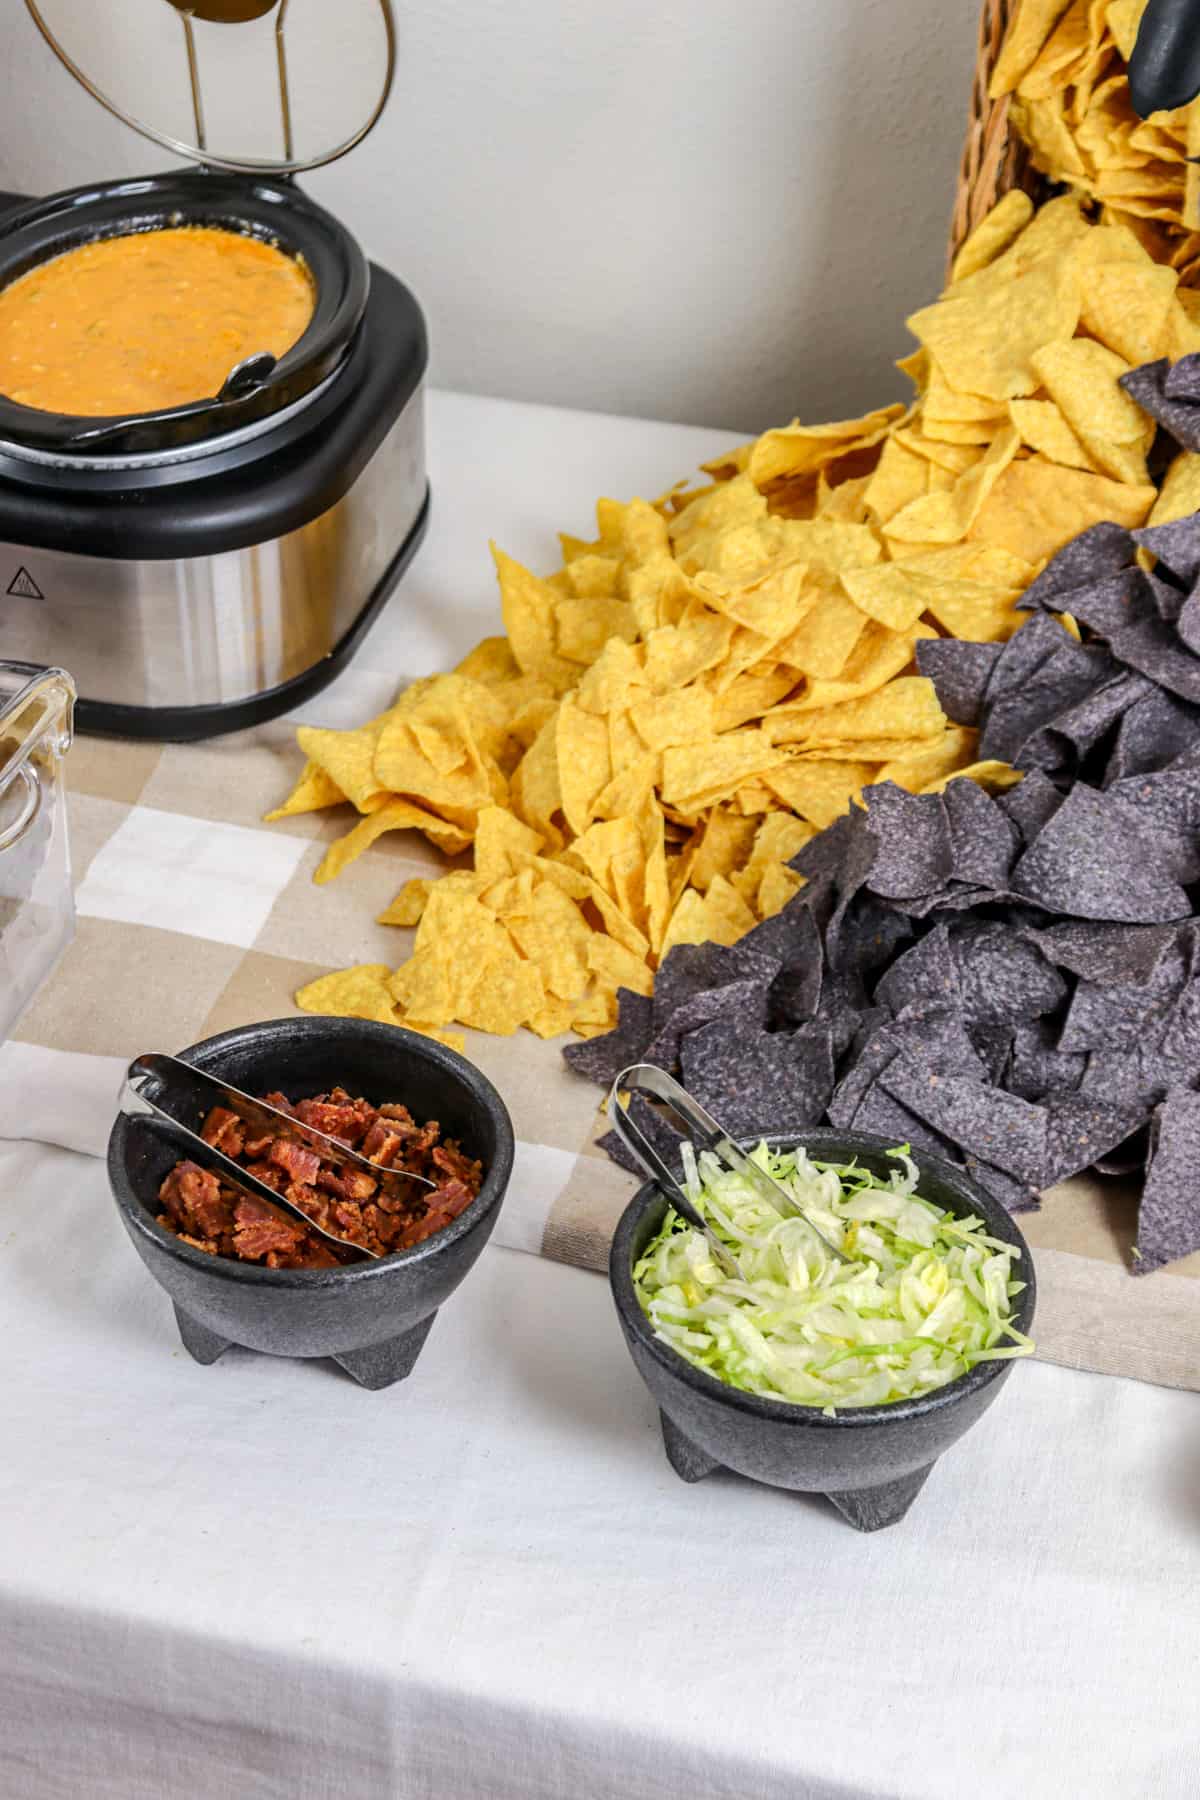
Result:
[223,1130]
[259,1230]
[301,1164]
[224,1222]
[382,1144]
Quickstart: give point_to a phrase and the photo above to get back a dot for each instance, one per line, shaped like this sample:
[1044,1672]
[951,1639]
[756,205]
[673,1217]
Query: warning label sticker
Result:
[23,586]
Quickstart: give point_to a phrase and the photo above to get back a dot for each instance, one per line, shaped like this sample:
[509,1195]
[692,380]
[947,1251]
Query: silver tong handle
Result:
[135,1104]
[643,1151]
[207,1091]
[707,1134]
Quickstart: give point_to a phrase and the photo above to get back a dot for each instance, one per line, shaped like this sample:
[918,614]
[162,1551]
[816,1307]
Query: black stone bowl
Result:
[371,1317]
[871,1461]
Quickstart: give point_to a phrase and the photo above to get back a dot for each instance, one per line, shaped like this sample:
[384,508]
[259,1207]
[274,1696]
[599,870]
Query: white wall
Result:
[707,210]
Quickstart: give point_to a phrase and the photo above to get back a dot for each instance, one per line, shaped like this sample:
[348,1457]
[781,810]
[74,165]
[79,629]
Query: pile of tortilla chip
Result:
[1012,981]
[1064,64]
[719,674]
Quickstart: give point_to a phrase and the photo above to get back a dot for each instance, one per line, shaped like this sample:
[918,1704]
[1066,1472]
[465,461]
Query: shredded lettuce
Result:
[924,1297]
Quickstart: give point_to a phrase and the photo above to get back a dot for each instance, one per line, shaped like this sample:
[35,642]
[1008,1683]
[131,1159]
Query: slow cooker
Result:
[206,567]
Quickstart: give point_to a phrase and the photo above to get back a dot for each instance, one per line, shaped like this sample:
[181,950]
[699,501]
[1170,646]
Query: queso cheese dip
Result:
[149,320]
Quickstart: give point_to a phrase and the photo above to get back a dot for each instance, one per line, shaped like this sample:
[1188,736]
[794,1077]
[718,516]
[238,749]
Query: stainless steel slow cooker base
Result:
[181,638]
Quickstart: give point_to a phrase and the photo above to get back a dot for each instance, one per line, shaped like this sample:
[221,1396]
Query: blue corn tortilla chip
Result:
[1187,625]
[756,1082]
[1088,863]
[1080,1129]
[601,1059]
[999,1127]
[1169,596]
[1016,1196]
[926,975]
[795,991]
[1152,647]
[1169,1216]
[914,855]
[1105,953]
[689,970]
[1062,744]
[1163,393]
[1029,693]
[1107,604]
[1176,545]
[1166,807]
[1002,977]
[880,1113]
[960,673]
[1125,1078]
[1120,1015]
[864,939]
[984,843]
[1155,730]
[1101,550]
[1031,804]
[1037,1067]
[745,1001]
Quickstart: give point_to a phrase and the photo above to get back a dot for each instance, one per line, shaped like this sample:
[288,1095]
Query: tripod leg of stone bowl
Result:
[870,1509]
[380,1365]
[199,1342]
[688,1460]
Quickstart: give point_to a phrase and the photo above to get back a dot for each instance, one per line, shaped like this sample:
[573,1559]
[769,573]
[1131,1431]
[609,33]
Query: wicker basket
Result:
[994,159]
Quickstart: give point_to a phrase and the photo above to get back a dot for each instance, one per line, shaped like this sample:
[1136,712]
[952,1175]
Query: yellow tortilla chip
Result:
[901,476]
[820,791]
[528,606]
[584,765]
[1043,427]
[777,887]
[1036,507]
[1129,307]
[347,758]
[946,518]
[824,642]
[725,842]
[1083,378]
[886,594]
[720,916]
[618,967]
[394,815]
[695,776]
[409,904]
[1031,25]
[1179,495]
[992,775]
[490,662]
[551,932]
[358,993]
[315,790]
[984,336]
[586,624]
[905,708]
[942,756]
[993,235]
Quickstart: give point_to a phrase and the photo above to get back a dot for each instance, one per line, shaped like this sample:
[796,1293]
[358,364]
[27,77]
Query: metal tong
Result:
[192,1088]
[706,1134]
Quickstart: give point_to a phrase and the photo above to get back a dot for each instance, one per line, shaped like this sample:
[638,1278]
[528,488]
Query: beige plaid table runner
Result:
[194,917]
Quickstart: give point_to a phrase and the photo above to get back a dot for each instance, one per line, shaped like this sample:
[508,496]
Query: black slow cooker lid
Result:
[274,210]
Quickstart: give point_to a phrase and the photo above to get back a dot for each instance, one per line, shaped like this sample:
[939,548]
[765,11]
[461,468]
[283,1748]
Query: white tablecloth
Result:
[258,1580]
